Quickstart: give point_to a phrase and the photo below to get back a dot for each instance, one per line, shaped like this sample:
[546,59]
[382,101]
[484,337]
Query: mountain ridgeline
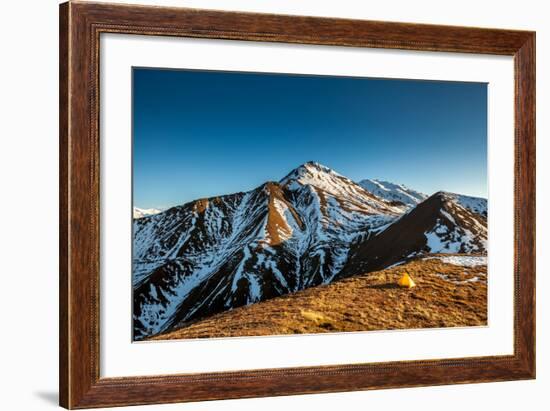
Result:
[310,228]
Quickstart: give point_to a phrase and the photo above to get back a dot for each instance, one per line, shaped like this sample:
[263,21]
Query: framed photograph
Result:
[259,205]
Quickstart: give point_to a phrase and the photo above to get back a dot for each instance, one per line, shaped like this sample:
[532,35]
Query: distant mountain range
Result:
[393,192]
[312,227]
[145,212]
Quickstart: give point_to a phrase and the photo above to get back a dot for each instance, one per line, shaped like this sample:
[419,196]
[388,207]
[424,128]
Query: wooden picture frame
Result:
[80,27]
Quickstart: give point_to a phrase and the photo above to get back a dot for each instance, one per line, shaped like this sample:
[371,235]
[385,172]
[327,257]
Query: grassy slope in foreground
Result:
[445,296]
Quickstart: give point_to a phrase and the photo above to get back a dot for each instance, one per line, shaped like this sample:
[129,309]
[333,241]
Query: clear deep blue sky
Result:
[199,134]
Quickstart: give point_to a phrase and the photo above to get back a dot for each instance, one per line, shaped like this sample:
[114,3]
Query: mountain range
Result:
[391,192]
[312,227]
[145,212]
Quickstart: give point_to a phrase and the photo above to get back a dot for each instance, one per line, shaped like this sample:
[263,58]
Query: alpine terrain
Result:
[393,192]
[314,227]
[144,212]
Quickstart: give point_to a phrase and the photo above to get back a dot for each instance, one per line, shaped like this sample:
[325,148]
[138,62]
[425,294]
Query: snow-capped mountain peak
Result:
[327,182]
[310,173]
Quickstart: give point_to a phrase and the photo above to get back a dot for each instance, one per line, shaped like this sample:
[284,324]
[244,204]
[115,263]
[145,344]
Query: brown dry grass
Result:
[276,223]
[443,297]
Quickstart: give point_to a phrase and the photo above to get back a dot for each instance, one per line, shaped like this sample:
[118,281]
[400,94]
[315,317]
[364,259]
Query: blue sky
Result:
[200,134]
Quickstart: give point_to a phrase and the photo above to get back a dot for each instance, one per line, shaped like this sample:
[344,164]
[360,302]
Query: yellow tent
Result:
[406,281]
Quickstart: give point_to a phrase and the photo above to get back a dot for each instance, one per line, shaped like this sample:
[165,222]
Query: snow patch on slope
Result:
[441,239]
[461,260]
